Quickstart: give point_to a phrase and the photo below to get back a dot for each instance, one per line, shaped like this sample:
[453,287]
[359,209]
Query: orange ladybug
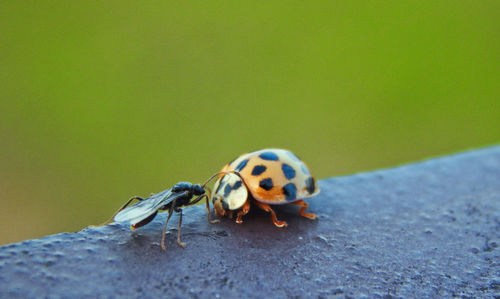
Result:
[263,178]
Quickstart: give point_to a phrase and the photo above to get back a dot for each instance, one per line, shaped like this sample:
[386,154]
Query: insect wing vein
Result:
[145,208]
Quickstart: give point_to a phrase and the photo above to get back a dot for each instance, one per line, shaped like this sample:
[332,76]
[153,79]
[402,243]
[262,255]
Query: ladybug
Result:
[264,178]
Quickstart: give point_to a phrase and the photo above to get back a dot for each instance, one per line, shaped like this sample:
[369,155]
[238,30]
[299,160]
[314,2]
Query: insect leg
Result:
[267,208]
[304,206]
[179,231]
[207,198]
[165,228]
[119,210]
[244,210]
[207,202]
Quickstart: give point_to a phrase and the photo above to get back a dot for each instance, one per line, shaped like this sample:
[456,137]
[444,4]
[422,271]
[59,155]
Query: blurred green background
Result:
[100,101]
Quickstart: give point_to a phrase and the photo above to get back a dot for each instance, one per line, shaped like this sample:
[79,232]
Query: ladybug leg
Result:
[268,208]
[304,206]
[244,210]
[119,210]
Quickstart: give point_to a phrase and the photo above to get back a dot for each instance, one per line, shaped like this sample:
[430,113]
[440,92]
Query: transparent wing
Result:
[147,207]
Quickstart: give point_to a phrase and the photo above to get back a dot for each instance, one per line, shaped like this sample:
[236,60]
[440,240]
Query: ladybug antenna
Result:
[209,191]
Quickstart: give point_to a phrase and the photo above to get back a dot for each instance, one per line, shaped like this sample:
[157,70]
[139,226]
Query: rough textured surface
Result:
[429,229]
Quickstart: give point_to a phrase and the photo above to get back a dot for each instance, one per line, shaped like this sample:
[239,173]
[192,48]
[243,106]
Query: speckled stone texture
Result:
[429,229]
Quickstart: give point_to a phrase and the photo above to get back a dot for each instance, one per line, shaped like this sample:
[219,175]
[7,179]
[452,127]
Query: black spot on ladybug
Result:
[227,190]
[304,169]
[259,169]
[241,165]
[237,185]
[270,156]
[288,171]
[221,184]
[310,186]
[290,191]
[266,184]
[293,157]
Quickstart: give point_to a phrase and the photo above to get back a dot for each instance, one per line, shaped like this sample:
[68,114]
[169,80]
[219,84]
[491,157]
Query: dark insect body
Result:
[171,200]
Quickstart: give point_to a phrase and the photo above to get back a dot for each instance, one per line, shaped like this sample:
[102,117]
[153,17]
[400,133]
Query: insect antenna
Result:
[224,173]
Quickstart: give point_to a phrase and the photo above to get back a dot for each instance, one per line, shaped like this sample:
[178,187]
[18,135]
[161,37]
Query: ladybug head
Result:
[220,206]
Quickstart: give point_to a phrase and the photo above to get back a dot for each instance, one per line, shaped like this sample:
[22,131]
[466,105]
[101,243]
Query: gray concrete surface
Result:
[428,229]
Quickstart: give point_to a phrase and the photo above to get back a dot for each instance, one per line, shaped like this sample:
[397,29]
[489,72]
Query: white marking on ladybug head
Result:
[231,191]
